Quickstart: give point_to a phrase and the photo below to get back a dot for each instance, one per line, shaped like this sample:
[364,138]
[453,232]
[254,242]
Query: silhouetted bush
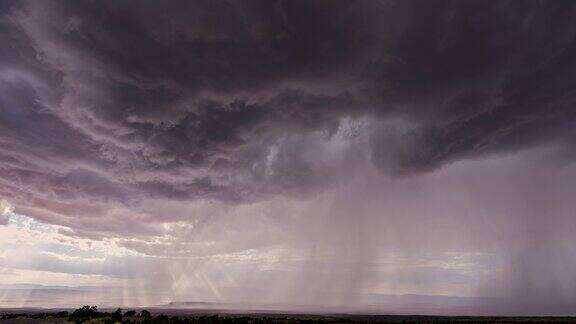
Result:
[130,313]
[144,314]
[62,314]
[84,314]
[116,316]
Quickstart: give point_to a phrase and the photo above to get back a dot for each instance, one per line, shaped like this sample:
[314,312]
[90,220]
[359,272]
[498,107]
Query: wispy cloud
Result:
[221,147]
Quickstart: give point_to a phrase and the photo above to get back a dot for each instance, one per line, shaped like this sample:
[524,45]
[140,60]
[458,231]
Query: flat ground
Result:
[198,316]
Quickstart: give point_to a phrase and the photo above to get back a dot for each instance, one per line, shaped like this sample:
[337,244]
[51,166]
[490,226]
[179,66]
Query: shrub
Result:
[130,313]
[144,314]
[84,313]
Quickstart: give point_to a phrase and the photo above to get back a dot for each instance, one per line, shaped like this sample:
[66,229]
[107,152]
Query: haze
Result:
[367,156]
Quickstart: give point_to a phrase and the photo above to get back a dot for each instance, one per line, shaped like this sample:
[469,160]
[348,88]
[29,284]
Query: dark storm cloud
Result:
[481,78]
[106,104]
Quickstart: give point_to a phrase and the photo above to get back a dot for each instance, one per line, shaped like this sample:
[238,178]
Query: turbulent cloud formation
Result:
[168,126]
[115,102]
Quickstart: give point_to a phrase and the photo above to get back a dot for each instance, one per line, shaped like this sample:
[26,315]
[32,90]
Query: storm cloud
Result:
[117,118]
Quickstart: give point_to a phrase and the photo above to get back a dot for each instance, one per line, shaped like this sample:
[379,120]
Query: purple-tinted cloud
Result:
[119,118]
[101,103]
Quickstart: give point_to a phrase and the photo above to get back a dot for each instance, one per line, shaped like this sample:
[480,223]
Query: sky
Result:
[359,155]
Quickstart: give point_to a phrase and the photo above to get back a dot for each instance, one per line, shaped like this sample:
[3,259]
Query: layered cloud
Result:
[196,129]
[107,105]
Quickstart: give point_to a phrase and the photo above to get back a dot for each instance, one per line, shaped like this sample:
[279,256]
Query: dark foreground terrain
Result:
[91,315]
